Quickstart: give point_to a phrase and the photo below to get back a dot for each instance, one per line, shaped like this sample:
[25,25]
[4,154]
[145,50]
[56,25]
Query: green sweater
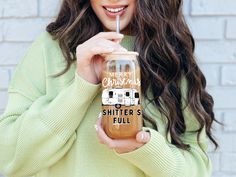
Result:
[47,129]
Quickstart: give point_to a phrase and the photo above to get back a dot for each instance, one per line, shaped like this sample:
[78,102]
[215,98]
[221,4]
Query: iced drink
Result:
[121,95]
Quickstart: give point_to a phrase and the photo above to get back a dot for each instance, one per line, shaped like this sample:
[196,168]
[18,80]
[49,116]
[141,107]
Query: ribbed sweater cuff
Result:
[88,89]
[157,157]
[66,111]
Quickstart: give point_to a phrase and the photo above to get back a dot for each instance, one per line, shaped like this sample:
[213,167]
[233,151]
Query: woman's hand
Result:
[121,145]
[89,60]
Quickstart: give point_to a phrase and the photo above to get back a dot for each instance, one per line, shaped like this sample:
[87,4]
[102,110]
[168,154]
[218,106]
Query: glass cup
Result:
[121,95]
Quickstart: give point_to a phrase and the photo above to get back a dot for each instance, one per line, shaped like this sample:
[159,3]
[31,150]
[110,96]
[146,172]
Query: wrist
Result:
[87,77]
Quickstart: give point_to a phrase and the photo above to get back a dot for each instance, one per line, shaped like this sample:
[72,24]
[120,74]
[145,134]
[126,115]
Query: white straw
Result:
[118,24]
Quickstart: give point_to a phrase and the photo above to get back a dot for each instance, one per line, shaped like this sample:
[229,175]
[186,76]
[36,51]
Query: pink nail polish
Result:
[96,127]
[142,136]
[100,115]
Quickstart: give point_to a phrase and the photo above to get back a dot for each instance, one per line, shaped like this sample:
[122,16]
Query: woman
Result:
[55,98]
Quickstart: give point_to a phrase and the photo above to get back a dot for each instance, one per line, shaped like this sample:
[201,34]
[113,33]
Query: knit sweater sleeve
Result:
[36,129]
[158,157]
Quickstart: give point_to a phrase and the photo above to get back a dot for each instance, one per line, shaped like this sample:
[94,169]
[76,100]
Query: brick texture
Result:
[18,29]
[3,102]
[5,75]
[207,28]
[49,8]
[230,122]
[231,26]
[11,53]
[220,51]
[213,7]
[213,24]
[229,75]
[212,73]
[1,31]
[15,8]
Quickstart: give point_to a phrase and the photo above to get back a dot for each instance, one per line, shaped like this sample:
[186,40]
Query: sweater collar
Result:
[128,42]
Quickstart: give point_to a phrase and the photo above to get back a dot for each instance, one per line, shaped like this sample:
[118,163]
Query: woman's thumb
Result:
[143,137]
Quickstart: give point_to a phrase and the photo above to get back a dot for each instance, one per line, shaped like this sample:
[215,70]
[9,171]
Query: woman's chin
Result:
[122,30]
[108,28]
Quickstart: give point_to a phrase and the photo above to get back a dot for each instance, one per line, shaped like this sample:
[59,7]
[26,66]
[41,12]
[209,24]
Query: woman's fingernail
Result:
[100,115]
[96,127]
[121,35]
[142,136]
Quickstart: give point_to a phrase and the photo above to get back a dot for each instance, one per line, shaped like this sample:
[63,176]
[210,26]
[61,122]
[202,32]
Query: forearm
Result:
[158,157]
[42,131]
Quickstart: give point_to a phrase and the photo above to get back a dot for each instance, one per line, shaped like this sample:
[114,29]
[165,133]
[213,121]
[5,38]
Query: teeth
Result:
[115,10]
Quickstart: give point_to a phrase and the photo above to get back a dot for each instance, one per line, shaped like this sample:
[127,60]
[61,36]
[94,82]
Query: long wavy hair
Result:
[166,48]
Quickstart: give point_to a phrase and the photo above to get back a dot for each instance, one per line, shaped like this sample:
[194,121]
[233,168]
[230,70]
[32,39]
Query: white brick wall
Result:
[15,8]
[228,75]
[213,23]
[213,7]
[14,30]
[230,29]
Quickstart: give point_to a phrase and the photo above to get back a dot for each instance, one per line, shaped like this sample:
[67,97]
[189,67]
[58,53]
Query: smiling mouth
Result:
[114,9]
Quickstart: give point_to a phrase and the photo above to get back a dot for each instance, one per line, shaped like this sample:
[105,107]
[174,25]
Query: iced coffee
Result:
[121,95]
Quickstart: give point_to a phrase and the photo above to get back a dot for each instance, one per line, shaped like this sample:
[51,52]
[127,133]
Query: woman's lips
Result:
[113,11]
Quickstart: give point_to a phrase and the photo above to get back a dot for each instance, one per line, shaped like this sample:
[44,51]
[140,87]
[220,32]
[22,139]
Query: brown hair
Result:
[166,48]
